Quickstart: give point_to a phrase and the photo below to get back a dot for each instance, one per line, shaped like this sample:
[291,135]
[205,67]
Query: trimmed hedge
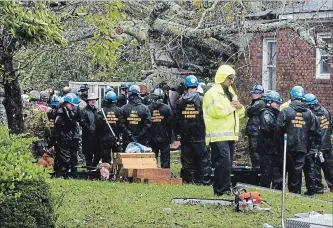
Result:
[33,208]
[25,197]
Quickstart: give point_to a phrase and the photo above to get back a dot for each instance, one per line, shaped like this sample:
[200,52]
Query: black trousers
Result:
[195,163]
[295,164]
[327,167]
[164,149]
[222,157]
[271,171]
[312,178]
[90,149]
[254,153]
[65,158]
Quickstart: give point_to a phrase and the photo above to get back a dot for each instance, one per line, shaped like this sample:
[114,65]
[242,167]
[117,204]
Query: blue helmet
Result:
[71,98]
[267,92]
[191,81]
[158,92]
[297,92]
[310,99]
[111,96]
[55,101]
[134,90]
[109,88]
[123,85]
[257,89]
[273,96]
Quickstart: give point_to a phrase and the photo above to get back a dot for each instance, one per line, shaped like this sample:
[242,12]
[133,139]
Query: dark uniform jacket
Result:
[122,100]
[135,120]
[325,124]
[112,114]
[300,124]
[268,133]
[88,117]
[65,129]
[190,121]
[253,113]
[161,118]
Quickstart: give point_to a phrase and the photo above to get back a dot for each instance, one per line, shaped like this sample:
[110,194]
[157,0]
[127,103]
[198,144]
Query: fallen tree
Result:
[199,39]
[168,39]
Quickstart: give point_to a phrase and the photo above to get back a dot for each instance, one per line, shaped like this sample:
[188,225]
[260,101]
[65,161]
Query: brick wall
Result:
[295,65]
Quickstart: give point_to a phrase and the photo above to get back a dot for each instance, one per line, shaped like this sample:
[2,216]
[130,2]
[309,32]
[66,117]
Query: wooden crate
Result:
[142,168]
[135,155]
[138,163]
[136,160]
[153,173]
[125,163]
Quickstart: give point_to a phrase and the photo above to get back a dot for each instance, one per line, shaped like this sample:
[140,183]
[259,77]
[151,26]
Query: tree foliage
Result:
[31,23]
[22,24]
[103,46]
[94,51]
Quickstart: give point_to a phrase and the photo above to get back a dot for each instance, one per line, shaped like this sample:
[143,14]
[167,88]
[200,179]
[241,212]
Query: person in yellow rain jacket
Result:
[222,111]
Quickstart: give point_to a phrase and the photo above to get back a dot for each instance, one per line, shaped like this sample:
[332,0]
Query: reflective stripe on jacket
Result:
[221,119]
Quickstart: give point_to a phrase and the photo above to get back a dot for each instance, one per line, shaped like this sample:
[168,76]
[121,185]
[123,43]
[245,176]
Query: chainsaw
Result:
[248,201]
[244,201]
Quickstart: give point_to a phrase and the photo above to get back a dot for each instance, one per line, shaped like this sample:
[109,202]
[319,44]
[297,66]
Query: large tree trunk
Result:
[13,101]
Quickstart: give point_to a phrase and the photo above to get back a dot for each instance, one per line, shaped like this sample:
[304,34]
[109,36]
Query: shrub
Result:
[33,208]
[25,198]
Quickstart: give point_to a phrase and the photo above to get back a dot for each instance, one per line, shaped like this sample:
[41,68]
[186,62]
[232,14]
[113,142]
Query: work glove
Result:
[313,151]
[320,155]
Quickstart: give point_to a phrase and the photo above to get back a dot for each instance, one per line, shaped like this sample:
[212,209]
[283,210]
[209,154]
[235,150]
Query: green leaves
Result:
[104,44]
[16,162]
[34,24]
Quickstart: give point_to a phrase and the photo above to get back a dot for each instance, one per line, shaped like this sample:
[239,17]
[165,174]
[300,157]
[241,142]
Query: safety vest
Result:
[221,119]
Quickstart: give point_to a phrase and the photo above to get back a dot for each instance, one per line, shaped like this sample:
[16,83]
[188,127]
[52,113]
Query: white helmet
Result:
[25,97]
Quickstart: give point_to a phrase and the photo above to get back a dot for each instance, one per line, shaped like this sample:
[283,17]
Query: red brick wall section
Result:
[248,69]
[296,65]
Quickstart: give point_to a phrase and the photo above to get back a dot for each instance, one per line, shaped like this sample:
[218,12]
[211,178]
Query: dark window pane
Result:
[271,53]
[324,65]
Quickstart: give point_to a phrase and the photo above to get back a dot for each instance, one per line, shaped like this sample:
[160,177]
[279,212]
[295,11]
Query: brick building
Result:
[280,60]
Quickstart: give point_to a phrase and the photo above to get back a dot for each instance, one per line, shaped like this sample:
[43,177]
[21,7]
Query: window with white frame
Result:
[323,69]
[269,64]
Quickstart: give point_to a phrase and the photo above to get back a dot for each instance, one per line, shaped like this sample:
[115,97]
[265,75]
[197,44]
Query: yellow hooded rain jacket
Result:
[221,119]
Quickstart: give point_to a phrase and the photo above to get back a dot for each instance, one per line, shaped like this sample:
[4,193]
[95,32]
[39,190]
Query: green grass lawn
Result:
[107,204]
[116,204]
